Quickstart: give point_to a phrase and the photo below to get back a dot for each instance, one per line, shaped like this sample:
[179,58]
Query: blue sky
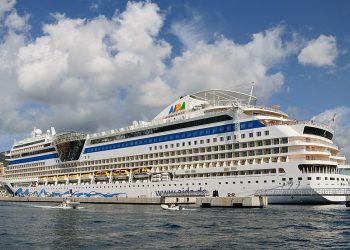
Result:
[134,58]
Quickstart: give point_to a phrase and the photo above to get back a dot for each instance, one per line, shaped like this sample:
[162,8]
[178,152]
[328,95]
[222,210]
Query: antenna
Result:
[251,93]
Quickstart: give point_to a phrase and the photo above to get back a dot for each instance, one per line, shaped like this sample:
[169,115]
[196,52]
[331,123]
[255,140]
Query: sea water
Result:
[101,226]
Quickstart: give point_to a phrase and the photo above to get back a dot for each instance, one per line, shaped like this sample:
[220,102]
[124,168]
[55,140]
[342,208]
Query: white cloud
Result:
[94,7]
[319,52]
[17,23]
[5,6]
[341,126]
[226,64]
[102,73]
[72,76]
[189,32]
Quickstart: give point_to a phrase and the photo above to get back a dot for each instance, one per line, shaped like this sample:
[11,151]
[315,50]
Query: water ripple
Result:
[24,226]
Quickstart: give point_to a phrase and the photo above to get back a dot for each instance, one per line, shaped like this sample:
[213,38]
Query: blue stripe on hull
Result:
[155,139]
[36,158]
[177,136]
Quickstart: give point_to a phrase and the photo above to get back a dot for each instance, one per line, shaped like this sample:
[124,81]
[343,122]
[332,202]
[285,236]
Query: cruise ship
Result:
[211,143]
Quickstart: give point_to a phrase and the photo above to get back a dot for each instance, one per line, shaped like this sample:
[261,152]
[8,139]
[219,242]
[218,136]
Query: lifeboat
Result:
[142,172]
[120,174]
[42,179]
[51,179]
[73,177]
[86,176]
[101,175]
[61,178]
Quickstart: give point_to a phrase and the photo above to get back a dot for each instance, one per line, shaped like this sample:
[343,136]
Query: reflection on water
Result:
[70,221]
[33,226]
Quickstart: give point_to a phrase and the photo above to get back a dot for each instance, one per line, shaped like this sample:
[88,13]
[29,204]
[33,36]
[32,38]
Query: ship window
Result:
[318,178]
[318,131]
[248,181]
[300,178]
[250,134]
[258,133]
[332,179]
[221,138]
[214,140]
[208,140]
[284,140]
[242,136]
[267,132]
[283,179]
[309,178]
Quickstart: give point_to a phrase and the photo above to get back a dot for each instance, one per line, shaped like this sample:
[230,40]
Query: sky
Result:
[93,65]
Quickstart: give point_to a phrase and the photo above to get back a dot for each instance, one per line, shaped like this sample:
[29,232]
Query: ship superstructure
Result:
[214,141]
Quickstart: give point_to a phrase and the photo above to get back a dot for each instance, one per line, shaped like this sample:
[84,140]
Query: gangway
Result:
[7,185]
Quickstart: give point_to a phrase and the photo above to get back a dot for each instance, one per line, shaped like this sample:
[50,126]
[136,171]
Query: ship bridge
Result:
[69,145]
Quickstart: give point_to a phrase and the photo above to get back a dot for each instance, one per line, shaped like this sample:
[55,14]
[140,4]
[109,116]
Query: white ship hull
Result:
[205,142]
[291,192]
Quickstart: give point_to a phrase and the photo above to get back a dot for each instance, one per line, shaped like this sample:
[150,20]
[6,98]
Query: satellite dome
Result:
[38,132]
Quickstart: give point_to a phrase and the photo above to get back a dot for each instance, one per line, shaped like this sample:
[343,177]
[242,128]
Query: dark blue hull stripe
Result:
[177,136]
[155,139]
[36,158]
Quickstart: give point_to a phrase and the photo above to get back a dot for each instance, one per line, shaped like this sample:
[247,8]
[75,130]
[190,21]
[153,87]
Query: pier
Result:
[233,202]
[347,201]
[244,202]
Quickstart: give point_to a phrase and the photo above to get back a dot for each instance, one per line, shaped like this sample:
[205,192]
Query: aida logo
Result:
[177,107]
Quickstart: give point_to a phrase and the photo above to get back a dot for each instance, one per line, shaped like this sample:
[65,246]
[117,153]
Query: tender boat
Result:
[171,207]
[69,203]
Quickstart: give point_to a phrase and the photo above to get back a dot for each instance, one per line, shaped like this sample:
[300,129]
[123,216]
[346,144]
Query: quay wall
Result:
[260,201]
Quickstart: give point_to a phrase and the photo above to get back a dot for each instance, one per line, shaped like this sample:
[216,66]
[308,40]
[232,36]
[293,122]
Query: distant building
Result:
[2,169]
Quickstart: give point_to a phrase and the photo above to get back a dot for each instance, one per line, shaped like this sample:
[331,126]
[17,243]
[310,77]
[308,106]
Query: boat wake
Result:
[55,207]
[189,209]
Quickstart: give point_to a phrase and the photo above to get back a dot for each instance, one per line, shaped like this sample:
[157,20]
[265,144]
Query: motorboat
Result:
[69,203]
[171,207]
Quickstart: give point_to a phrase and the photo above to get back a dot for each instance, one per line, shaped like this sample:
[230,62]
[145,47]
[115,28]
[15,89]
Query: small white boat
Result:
[171,207]
[68,203]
